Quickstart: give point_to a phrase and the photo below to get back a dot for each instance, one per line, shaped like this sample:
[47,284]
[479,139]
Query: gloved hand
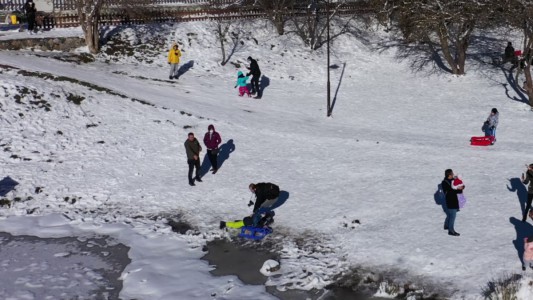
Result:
[235,87]
[169,63]
[492,127]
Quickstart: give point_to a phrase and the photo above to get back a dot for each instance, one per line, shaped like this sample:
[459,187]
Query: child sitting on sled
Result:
[265,220]
[528,251]
[242,84]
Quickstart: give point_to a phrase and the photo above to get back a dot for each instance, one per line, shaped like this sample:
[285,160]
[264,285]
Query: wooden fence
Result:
[114,17]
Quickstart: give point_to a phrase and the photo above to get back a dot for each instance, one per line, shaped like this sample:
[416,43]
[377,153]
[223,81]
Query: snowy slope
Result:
[378,160]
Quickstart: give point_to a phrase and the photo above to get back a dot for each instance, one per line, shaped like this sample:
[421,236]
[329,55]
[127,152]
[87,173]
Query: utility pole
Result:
[329,90]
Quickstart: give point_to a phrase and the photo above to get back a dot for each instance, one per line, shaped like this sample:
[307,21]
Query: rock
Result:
[269,267]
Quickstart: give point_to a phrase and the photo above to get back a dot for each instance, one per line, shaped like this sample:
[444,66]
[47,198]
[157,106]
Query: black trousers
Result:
[528,205]
[212,155]
[31,21]
[255,82]
[192,165]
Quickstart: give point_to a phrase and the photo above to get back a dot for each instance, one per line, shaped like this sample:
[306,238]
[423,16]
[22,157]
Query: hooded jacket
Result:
[493,119]
[265,191]
[212,140]
[241,79]
[174,55]
[254,67]
[529,180]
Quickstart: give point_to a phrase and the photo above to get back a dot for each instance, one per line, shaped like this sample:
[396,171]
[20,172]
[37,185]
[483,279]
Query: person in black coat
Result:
[256,74]
[452,202]
[31,11]
[266,196]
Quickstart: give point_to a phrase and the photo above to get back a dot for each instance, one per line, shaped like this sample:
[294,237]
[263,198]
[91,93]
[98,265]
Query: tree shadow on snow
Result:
[523,230]
[185,67]
[521,192]
[338,87]
[7,185]
[514,86]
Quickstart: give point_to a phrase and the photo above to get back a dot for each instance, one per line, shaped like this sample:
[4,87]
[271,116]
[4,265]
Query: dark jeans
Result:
[193,164]
[212,155]
[450,219]
[255,83]
[31,21]
[528,205]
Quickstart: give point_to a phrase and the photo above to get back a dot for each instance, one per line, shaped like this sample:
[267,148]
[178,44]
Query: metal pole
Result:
[329,94]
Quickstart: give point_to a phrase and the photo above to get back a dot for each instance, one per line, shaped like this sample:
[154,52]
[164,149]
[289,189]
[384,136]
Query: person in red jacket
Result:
[212,140]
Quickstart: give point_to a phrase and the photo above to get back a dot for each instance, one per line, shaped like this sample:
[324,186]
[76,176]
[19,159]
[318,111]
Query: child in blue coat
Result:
[242,84]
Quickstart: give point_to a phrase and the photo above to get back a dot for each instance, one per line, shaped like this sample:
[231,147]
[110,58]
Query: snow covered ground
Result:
[114,164]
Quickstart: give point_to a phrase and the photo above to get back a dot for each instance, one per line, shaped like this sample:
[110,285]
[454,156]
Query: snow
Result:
[378,160]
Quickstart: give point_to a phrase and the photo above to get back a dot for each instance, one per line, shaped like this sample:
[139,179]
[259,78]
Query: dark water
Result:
[245,263]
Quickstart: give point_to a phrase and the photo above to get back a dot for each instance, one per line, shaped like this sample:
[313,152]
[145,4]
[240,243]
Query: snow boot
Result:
[222,225]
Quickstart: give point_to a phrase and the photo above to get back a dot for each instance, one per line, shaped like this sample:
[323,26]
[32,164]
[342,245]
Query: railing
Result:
[114,17]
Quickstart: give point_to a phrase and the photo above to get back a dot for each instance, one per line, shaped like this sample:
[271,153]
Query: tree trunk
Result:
[443,38]
[279,22]
[462,45]
[529,83]
[92,36]
[221,37]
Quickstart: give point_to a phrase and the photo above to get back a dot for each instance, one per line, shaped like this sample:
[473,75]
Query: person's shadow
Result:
[263,84]
[521,192]
[7,185]
[282,198]
[523,230]
[185,67]
[223,154]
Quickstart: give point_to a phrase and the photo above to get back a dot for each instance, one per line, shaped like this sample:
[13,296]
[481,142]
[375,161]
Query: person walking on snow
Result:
[193,149]
[492,123]
[452,202]
[212,140]
[242,84]
[174,55]
[256,74]
[528,180]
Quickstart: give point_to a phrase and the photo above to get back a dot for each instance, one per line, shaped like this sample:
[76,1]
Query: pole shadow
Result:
[224,152]
[338,87]
[7,185]
[523,230]
[521,192]
[185,67]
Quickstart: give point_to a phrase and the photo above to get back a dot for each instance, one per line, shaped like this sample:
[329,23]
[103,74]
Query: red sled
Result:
[482,140]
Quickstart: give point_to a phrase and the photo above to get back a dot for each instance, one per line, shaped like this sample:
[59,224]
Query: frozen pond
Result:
[60,268]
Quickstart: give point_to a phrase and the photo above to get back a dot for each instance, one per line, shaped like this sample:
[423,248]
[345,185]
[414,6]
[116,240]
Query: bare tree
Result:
[276,10]
[446,23]
[89,13]
[310,21]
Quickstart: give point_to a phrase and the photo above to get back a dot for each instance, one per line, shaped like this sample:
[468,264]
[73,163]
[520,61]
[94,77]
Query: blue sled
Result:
[254,233]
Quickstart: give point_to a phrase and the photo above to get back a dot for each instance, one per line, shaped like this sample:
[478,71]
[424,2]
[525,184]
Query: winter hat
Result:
[494,110]
[239,73]
[249,58]
[211,127]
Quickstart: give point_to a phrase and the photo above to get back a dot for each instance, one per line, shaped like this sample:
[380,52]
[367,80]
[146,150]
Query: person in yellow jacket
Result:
[174,55]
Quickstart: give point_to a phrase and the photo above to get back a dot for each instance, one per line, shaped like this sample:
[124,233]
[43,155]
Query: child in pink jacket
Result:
[528,251]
